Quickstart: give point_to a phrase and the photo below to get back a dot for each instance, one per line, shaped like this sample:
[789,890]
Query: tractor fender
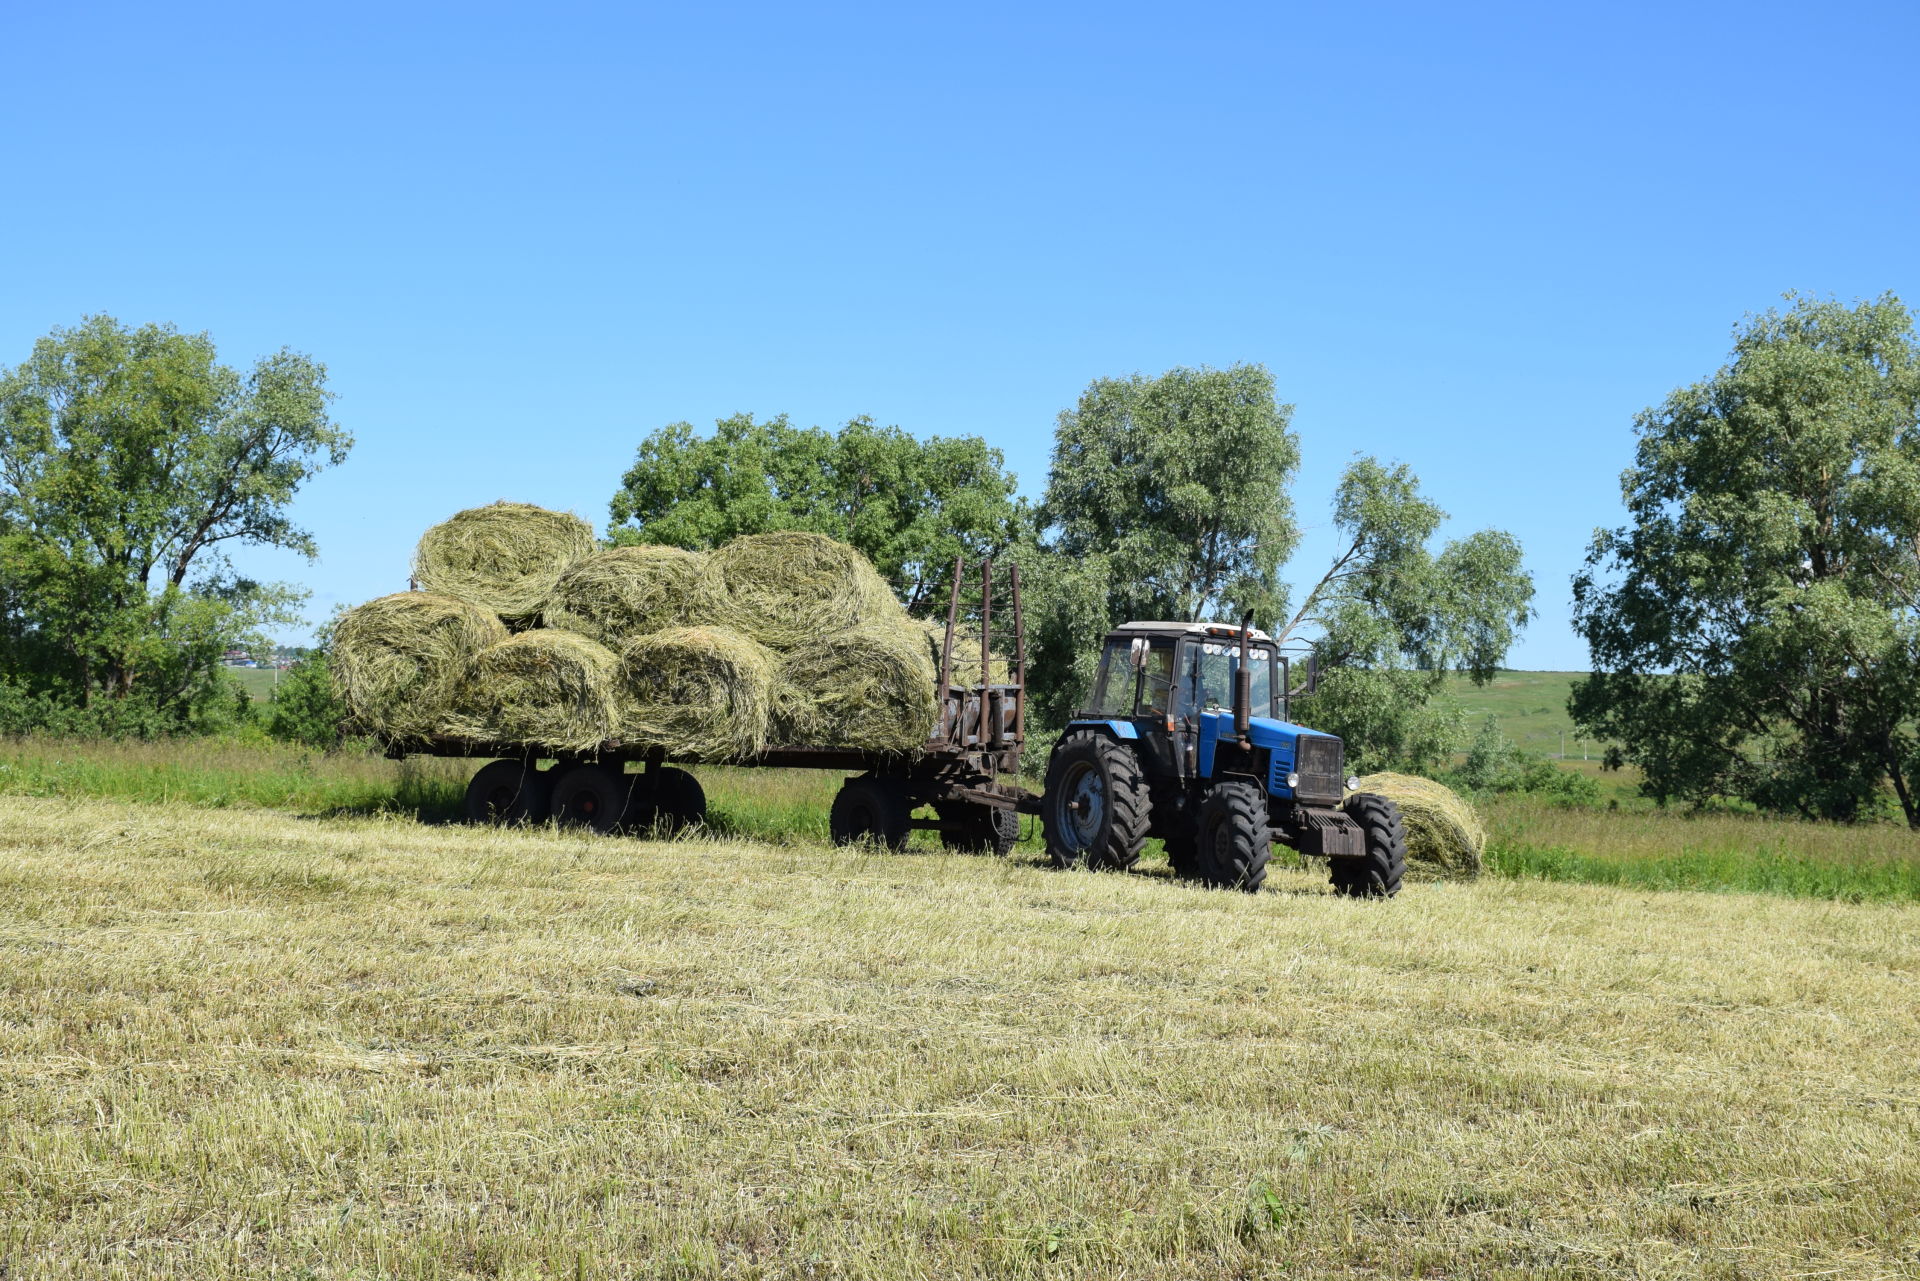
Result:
[1118,730]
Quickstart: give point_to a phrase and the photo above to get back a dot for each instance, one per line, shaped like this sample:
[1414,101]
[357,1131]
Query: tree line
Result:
[1754,626]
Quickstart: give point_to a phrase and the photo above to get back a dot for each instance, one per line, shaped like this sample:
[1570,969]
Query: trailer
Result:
[967,770]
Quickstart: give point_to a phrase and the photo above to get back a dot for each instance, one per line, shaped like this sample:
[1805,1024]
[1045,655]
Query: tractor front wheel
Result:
[1096,806]
[1232,847]
[1378,872]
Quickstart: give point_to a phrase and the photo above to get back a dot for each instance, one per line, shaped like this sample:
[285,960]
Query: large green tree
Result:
[910,505]
[1755,626]
[1391,616]
[1169,497]
[130,460]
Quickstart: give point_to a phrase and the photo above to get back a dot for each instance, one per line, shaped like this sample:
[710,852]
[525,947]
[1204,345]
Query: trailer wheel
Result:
[1233,844]
[665,800]
[508,792]
[980,829]
[1095,808]
[1378,872]
[590,796]
[870,809]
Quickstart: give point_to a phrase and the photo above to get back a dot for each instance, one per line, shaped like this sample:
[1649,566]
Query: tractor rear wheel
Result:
[508,792]
[870,809]
[1096,806]
[978,829]
[590,796]
[1378,872]
[1232,847]
[665,800]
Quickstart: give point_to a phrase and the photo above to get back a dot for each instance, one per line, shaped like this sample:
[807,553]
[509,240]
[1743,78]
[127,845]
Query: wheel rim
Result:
[1083,809]
[500,800]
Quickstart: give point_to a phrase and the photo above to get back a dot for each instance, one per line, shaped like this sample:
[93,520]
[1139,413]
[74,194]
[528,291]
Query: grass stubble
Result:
[254,1043]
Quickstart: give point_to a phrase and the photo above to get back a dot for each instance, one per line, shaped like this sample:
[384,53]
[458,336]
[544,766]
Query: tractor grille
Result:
[1319,760]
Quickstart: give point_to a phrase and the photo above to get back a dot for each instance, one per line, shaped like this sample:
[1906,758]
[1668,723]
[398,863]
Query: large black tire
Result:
[1095,808]
[870,809]
[665,800]
[1378,872]
[592,796]
[508,792]
[1234,841]
[978,829]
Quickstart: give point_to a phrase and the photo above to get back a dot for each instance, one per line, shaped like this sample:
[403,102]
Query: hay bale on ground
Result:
[623,593]
[505,557]
[395,659]
[544,688]
[1445,836]
[869,688]
[697,691]
[790,588]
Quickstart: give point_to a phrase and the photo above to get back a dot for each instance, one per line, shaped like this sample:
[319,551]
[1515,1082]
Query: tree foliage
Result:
[910,505]
[1169,498]
[130,459]
[1391,617]
[1755,627]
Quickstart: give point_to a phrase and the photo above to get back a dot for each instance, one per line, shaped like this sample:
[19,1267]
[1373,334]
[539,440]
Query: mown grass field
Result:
[240,1042]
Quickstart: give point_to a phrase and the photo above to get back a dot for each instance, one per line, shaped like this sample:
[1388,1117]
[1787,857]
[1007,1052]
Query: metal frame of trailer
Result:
[971,759]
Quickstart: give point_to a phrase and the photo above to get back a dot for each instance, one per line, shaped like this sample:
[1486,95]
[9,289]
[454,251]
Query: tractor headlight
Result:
[1353,784]
[1293,780]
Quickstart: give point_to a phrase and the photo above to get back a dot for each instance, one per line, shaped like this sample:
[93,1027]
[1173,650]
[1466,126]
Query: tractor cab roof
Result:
[1216,631]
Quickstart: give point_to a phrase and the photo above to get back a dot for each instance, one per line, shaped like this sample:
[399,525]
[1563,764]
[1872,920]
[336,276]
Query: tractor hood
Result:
[1278,737]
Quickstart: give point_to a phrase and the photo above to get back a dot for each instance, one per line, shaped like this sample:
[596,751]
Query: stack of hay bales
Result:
[1445,837]
[528,634]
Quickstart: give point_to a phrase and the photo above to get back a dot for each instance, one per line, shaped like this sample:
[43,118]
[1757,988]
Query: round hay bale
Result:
[1445,836]
[505,557]
[703,692]
[966,653]
[869,688]
[395,659]
[544,688]
[789,588]
[617,595]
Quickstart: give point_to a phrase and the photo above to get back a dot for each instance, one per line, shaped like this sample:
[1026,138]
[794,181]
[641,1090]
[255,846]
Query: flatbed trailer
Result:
[967,770]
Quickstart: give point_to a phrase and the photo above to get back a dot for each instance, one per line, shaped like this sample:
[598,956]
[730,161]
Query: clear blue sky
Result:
[1474,238]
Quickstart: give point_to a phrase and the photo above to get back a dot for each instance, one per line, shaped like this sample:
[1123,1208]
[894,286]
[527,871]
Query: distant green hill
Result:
[1531,708]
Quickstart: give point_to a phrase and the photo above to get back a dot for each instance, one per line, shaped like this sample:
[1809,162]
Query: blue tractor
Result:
[1188,738]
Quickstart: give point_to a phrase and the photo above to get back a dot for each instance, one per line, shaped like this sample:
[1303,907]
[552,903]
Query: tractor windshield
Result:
[1206,676]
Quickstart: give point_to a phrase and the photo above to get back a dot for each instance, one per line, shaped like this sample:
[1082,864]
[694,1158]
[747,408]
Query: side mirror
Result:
[1137,653]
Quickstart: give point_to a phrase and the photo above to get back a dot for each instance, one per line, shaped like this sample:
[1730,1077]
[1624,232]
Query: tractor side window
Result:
[1113,690]
[1156,696]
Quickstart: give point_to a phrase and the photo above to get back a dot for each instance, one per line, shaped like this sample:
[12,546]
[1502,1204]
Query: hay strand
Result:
[966,653]
[544,688]
[1445,836]
[623,593]
[505,557]
[697,692]
[395,659]
[789,588]
[869,688]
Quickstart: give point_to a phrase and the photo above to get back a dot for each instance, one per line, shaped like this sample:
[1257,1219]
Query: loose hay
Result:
[395,659]
[618,595]
[544,688]
[1445,836]
[697,692]
[869,688]
[505,557]
[790,588]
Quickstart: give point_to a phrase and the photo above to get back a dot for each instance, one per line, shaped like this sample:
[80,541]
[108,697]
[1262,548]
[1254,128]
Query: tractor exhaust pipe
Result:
[1243,687]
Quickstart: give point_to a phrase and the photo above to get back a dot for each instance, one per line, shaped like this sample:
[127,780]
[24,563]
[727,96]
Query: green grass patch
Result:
[1757,871]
